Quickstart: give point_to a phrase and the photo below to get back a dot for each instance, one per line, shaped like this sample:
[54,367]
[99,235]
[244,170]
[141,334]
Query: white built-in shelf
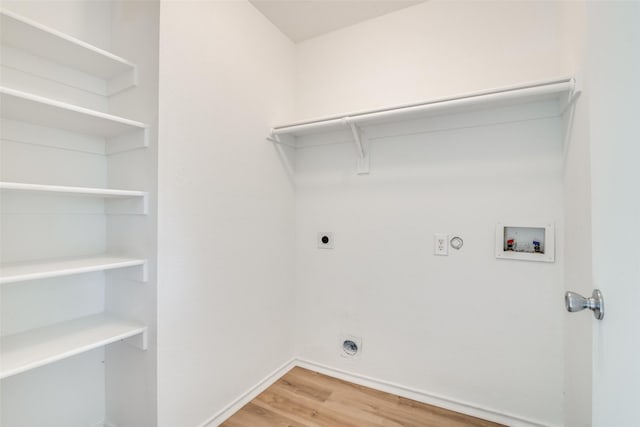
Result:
[39,40]
[79,191]
[132,201]
[26,107]
[556,95]
[38,347]
[43,269]
[555,90]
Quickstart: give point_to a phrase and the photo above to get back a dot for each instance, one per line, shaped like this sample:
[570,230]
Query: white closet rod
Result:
[545,88]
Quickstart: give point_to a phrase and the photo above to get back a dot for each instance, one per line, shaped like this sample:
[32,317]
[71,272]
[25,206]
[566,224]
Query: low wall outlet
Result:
[441,244]
[325,240]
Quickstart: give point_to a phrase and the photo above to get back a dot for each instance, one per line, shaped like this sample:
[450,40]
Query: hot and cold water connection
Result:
[526,243]
[524,239]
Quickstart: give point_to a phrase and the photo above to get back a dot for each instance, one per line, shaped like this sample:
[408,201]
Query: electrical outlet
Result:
[325,240]
[441,244]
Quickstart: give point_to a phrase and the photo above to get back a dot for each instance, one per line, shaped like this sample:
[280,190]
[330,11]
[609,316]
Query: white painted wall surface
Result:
[434,49]
[613,69]
[462,326]
[467,327]
[226,223]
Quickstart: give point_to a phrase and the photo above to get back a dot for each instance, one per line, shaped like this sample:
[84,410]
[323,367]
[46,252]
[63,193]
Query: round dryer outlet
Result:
[325,240]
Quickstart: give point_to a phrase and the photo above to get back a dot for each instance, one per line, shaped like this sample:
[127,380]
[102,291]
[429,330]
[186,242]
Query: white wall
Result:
[467,327]
[448,326]
[434,49]
[226,223]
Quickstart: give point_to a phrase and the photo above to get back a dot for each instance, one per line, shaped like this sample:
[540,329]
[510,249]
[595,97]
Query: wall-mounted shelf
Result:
[26,107]
[39,40]
[558,93]
[43,269]
[38,347]
[140,199]
[80,191]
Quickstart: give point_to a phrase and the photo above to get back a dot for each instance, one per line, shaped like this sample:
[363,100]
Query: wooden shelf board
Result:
[558,91]
[26,107]
[79,191]
[37,39]
[38,347]
[32,270]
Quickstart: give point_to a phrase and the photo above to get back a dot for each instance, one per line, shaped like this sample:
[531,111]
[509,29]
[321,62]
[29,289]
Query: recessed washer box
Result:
[525,242]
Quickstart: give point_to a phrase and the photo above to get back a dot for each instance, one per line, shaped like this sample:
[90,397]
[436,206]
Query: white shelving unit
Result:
[44,269]
[43,60]
[38,347]
[44,42]
[557,94]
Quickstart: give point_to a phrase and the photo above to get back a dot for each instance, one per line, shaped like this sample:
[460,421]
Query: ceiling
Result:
[303,19]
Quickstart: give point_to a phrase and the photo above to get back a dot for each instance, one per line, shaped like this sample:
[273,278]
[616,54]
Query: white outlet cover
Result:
[441,244]
[325,240]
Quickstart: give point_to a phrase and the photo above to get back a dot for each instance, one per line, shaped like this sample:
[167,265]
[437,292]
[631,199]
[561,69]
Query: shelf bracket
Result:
[573,95]
[275,138]
[139,341]
[285,151]
[572,100]
[362,147]
[128,206]
[143,275]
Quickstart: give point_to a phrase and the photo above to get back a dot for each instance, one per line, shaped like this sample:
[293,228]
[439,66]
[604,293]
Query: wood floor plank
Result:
[304,398]
[306,409]
[257,416]
[299,386]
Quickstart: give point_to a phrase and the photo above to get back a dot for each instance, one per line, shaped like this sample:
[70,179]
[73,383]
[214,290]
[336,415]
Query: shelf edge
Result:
[133,262]
[70,107]
[134,331]
[552,86]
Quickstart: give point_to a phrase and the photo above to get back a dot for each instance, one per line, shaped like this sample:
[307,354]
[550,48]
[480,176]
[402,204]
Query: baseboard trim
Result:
[226,412]
[422,396]
[386,386]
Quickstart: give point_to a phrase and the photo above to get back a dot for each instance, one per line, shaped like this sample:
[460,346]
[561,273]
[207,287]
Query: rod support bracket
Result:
[273,137]
[361,144]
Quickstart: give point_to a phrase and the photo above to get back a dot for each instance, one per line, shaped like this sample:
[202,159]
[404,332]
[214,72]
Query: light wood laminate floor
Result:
[303,398]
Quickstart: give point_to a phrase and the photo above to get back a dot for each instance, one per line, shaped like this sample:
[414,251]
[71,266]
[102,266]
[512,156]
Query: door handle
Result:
[576,302]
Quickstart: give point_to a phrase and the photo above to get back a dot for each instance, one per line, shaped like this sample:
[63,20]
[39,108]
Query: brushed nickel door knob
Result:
[576,302]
